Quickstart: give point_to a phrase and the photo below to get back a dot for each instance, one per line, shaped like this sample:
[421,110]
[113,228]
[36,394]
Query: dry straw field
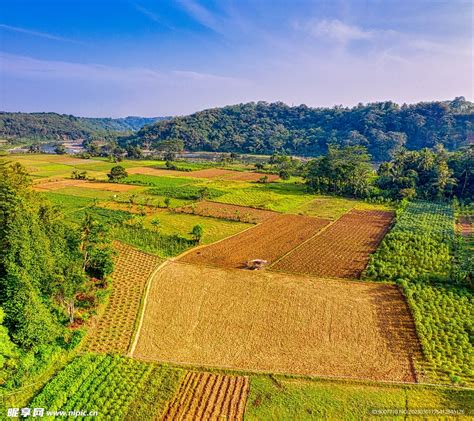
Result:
[206,396]
[343,249]
[269,241]
[277,323]
[114,329]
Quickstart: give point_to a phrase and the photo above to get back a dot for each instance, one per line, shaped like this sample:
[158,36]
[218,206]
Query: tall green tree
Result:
[344,171]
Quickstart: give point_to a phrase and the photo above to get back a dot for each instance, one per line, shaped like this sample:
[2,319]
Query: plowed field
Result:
[205,396]
[275,322]
[114,329]
[225,211]
[56,185]
[269,241]
[343,249]
[207,173]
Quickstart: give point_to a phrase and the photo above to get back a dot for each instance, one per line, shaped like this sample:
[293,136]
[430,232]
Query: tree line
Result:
[262,128]
[51,275]
[431,174]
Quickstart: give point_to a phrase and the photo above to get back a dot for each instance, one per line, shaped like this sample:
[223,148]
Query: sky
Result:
[113,58]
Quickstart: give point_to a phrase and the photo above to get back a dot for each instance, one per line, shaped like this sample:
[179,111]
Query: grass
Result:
[156,181]
[214,229]
[280,398]
[67,202]
[334,207]
[151,241]
[264,196]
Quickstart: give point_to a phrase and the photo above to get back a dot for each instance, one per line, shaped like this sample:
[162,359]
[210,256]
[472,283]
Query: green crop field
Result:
[113,386]
[419,254]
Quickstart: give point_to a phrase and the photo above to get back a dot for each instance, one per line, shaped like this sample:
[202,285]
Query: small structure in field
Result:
[257,264]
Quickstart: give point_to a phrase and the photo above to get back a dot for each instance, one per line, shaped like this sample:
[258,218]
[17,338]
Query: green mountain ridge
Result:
[55,127]
[265,128]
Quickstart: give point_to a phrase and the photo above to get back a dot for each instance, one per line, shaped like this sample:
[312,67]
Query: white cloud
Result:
[335,30]
[201,15]
[151,15]
[38,34]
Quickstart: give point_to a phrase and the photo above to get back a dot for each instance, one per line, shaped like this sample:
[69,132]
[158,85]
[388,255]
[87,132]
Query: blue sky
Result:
[160,57]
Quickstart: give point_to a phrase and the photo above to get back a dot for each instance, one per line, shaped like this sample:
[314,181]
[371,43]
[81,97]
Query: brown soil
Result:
[206,396]
[207,173]
[113,331]
[60,184]
[275,322]
[229,212]
[342,250]
[268,241]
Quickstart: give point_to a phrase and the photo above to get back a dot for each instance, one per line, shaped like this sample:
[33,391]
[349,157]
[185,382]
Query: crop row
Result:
[420,246]
[419,254]
[114,386]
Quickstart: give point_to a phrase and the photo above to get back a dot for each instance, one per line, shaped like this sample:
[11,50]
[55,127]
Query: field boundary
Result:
[243,372]
[304,242]
[141,310]
[192,249]
[143,302]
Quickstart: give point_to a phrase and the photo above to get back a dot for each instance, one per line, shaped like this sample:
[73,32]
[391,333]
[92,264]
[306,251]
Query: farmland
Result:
[293,326]
[229,212]
[342,250]
[419,253]
[210,173]
[207,396]
[114,328]
[209,340]
[114,386]
[269,240]
[119,387]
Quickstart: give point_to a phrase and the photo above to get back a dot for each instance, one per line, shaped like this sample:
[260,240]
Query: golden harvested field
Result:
[207,173]
[113,331]
[225,211]
[260,320]
[269,241]
[206,396]
[343,249]
[60,184]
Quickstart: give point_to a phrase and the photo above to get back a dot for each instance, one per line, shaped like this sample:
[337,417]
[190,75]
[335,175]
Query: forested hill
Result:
[52,126]
[266,128]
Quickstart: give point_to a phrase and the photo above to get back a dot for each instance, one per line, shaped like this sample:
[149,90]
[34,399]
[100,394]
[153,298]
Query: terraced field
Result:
[342,250]
[114,329]
[260,320]
[268,241]
[206,396]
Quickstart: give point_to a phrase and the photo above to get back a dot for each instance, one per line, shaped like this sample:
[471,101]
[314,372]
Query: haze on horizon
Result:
[149,58]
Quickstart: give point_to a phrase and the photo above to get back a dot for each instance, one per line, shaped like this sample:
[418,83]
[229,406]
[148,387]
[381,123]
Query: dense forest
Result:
[51,277]
[432,174]
[52,126]
[383,128]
